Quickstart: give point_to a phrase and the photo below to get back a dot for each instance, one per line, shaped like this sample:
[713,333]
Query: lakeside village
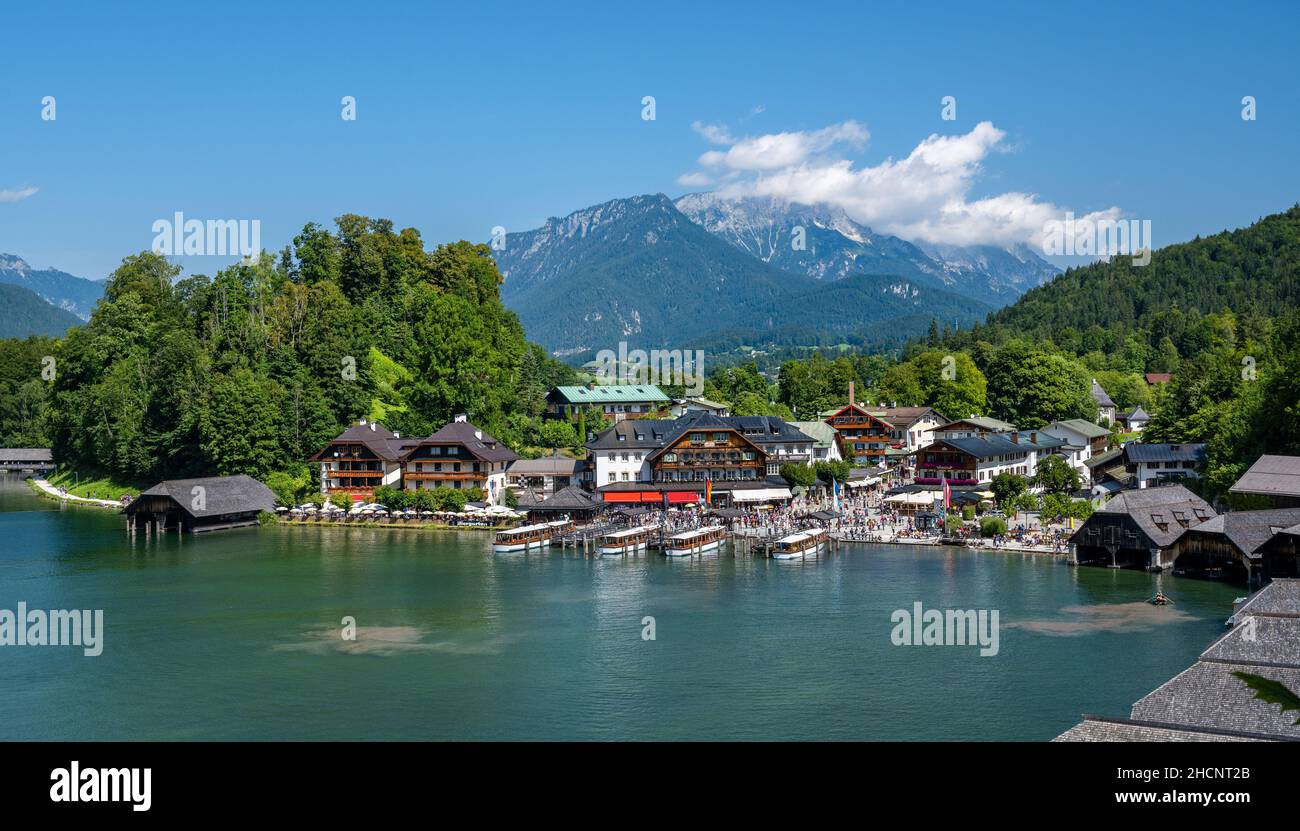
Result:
[686,477]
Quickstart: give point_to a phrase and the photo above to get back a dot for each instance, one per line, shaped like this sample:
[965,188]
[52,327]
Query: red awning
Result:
[652,496]
[625,496]
[683,497]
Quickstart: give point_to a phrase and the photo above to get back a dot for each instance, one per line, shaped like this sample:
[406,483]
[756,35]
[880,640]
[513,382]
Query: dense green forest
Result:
[253,370]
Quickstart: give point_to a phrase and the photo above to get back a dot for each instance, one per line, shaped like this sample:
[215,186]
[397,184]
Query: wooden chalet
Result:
[192,506]
[710,450]
[360,459]
[864,438]
[459,455]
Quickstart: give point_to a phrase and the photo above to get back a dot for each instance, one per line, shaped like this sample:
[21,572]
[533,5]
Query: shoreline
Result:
[414,526]
[44,489]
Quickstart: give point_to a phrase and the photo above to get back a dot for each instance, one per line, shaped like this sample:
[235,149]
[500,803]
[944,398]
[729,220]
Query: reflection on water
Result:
[236,635]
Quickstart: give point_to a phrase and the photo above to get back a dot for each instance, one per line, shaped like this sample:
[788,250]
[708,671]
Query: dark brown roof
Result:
[377,438]
[482,445]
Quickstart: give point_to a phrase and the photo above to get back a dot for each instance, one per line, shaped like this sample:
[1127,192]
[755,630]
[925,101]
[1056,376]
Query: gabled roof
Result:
[992,425]
[1140,452]
[377,438]
[571,498]
[1136,414]
[635,434]
[1158,377]
[477,442]
[904,417]
[611,394]
[1099,395]
[859,409]
[1248,530]
[653,433]
[705,421]
[1085,428]
[1157,511]
[1271,476]
[822,434]
[220,495]
[1280,597]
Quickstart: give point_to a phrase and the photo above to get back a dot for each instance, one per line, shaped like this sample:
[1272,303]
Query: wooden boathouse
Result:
[26,459]
[211,503]
[1137,528]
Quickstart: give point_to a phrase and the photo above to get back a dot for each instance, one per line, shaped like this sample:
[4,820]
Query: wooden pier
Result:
[743,541]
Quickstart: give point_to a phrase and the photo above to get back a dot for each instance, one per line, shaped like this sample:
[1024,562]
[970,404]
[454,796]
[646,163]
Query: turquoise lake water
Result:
[236,635]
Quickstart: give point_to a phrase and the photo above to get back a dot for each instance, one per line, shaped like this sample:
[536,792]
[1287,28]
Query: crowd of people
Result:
[866,517]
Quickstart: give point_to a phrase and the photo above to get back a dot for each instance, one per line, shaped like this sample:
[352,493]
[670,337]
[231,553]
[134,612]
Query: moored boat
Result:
[699,541]
[628,541]
[523,538]
[810,541]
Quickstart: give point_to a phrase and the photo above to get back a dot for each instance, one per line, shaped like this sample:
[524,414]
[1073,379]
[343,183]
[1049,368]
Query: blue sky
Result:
[470,117]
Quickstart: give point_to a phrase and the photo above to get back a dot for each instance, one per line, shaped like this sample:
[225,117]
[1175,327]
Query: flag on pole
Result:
[708,491]
[835,489]
[947,495]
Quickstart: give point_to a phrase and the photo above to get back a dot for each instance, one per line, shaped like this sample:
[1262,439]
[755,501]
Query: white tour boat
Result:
[800,544]
[699,541]
[628,541]
[523,538]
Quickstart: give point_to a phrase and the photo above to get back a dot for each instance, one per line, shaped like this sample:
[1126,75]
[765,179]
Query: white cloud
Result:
[16,194]
[713,133]
[695,180]
[925,196]
[776,151]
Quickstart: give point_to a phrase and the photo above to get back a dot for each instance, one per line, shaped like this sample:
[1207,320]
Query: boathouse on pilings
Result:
[1279,557]
[1137,528]
[1226,546]
[211,503]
